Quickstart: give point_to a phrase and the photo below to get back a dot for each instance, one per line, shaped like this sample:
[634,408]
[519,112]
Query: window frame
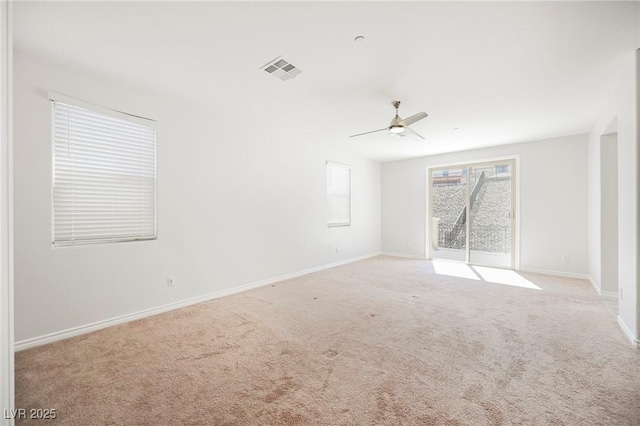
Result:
[54,97]
[331,164]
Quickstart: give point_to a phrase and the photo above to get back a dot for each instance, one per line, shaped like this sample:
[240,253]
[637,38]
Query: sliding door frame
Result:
[514,161]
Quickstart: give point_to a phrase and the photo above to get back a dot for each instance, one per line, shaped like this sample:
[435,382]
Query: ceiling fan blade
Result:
[366,133]
[413,133]
[415,117]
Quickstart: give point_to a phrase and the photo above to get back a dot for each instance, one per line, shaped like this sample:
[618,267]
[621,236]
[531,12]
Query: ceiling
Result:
[500,72]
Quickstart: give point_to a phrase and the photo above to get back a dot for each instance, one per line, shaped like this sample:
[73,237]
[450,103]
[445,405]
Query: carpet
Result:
[384,341]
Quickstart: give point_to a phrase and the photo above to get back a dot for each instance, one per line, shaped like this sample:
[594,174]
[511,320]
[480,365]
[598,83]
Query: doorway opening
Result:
[471,213]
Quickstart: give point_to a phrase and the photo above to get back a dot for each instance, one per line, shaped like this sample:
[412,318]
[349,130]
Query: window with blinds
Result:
[104,175]
[339,194]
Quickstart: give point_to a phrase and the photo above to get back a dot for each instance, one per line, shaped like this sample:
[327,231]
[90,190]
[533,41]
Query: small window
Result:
[104,174]
[339,194]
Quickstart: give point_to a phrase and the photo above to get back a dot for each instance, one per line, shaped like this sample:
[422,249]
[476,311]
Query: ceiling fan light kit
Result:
[398,125]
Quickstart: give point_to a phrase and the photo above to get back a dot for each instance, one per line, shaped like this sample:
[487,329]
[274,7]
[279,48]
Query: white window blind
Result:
[339,194]
[104,176]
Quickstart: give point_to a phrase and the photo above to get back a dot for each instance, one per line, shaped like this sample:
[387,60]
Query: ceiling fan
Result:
[399,126]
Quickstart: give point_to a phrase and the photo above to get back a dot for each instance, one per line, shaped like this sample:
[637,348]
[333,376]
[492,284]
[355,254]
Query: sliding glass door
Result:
[490,215]
[449,217]
[472,216]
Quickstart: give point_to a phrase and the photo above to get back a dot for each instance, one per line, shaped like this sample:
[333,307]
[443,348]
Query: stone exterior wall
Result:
[448,202]
[493,204]
[490,222]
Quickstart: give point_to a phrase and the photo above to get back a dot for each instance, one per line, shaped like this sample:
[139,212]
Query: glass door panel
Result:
[449,214]
[490,219]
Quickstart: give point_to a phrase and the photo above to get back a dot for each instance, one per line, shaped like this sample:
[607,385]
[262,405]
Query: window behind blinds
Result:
[104,176]
[339,194]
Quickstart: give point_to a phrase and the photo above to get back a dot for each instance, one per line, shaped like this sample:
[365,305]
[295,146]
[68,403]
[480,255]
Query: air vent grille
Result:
[282,69]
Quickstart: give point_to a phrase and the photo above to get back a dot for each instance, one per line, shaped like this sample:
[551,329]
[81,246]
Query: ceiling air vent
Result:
[281,69]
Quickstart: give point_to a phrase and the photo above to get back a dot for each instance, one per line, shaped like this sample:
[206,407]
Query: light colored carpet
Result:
[384,341]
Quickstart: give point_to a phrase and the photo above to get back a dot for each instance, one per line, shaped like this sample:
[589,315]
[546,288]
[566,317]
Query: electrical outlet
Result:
[337,250]
[171,281]
[621,294]
[565,258]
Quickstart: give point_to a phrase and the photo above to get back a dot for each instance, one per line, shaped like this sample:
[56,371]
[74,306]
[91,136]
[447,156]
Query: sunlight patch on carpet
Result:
[454,269]
[483,273]
[504,276]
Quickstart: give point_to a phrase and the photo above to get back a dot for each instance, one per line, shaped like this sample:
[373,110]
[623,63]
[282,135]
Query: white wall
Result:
[237,204]
[7,377]
[622,110]
[609,213]
[553,201]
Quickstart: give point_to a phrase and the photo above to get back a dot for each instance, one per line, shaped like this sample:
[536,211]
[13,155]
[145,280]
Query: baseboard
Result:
[556,273]
[595,285]
[634,342]
[406,256]
[609,296]
[83,329]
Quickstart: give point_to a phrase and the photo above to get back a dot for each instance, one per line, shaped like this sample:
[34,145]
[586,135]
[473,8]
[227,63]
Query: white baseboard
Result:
[406,256]
[634,342]
[556,273]
[609,296]
[595,285]
[83,329]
